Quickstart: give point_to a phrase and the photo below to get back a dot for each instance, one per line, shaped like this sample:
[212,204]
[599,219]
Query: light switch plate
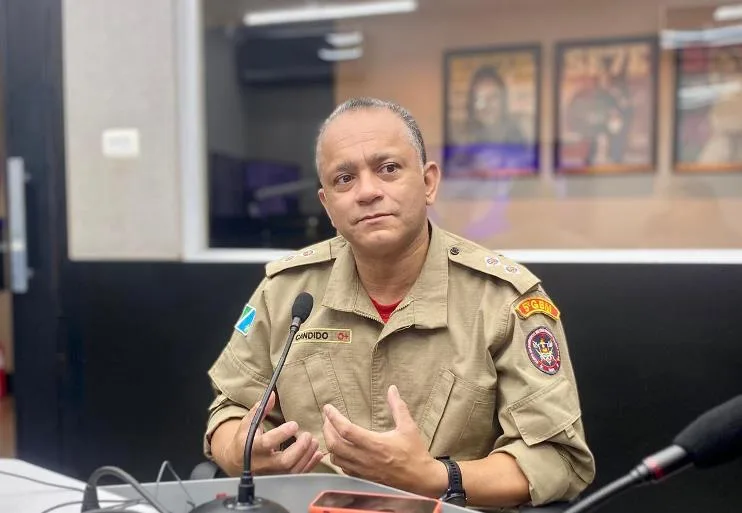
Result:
[121,143]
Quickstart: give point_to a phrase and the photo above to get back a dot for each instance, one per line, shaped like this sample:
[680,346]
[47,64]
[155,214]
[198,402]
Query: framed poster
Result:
[606,102]
[708,109]
[491,112]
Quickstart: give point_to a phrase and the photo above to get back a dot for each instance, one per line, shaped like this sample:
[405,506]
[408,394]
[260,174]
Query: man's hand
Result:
[396,458]
[267,458]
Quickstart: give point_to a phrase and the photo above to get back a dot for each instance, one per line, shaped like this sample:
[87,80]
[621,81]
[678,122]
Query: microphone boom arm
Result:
[246,488]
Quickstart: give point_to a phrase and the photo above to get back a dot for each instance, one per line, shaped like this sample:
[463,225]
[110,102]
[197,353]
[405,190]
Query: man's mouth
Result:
[372,216]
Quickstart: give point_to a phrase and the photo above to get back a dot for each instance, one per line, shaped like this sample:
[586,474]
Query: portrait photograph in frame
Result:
[606,105]
[708,109]
[491,112]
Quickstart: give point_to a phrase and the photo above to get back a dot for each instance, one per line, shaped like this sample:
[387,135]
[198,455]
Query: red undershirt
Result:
[385,310]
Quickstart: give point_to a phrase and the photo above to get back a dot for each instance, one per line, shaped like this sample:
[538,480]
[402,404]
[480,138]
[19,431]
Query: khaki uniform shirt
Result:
[476,350]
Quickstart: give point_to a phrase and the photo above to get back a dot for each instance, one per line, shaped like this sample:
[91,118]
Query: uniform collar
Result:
[425,306]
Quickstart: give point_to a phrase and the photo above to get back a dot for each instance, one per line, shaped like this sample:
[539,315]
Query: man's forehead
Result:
[368,127]
[377,121]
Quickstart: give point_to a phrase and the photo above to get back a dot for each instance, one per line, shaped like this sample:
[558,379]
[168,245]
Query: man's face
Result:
[374,188]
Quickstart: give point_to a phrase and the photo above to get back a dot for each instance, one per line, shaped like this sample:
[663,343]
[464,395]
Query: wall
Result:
[119,60]
[403,62]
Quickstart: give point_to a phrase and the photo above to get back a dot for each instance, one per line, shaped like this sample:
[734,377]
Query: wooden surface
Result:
[7,428]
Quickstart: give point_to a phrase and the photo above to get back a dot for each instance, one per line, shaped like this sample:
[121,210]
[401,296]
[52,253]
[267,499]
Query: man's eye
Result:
[343,179]
[389,168]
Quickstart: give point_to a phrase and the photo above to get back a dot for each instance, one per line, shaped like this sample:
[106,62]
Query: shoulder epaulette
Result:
[481,259]
[315,254]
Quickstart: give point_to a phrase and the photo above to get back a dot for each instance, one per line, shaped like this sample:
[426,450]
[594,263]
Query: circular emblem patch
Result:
[289,258]
[307,252]
[490,261]
[543,350]
[512,269]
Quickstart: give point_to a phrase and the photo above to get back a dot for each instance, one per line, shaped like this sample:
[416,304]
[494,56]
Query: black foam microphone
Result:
[246,499]
[712,439]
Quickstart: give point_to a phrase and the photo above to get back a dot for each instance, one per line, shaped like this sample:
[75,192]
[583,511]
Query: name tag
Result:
[337,336]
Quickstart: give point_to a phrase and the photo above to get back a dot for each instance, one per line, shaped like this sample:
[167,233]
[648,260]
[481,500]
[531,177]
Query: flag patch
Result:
[246,319]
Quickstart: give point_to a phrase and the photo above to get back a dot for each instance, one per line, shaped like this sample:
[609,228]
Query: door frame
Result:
[31,44]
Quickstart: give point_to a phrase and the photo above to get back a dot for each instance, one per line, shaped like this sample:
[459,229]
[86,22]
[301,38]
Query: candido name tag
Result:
[324,335]
[528,307]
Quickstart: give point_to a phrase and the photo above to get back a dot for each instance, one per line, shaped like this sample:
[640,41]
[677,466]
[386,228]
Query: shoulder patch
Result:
[247,317]
[537,305]
[480,259]
[321,252]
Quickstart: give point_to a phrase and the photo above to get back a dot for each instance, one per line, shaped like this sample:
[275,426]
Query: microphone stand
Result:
[246,500]
[246,490]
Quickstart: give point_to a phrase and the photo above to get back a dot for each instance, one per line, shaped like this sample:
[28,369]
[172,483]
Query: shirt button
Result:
[454,250]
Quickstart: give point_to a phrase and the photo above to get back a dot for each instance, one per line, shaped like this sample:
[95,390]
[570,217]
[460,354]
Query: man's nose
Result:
[368,188]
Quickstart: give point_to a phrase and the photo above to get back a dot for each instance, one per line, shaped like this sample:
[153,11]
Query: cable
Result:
[122,503]
[90,496]
[166,464]
[617,486]
[104,510]
[46,483]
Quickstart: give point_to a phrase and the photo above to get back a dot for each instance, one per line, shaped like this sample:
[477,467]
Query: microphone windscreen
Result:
[302,306]
[715,437]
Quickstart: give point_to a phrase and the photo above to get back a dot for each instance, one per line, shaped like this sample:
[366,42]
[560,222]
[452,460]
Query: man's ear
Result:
[432,179]
[323,200]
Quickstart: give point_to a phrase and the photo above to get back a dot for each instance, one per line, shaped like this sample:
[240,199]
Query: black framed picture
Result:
[491,112]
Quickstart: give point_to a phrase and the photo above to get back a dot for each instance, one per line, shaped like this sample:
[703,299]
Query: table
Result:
[23,496]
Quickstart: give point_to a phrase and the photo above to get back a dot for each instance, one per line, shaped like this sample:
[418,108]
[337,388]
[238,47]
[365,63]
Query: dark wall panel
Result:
[654,346]
[141,339]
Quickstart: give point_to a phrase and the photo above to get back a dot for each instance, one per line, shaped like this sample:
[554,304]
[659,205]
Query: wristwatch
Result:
[455,494]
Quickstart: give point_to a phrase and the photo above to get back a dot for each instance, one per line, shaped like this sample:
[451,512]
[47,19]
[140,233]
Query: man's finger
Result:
[335,443]
[306,454]
[286,460]
[313,462]
[272,439]
[400,412]
[346,430]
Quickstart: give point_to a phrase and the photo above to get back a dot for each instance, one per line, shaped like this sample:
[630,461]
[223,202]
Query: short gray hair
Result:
[366,103]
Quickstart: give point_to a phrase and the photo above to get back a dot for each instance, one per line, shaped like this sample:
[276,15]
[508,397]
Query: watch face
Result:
[457,499]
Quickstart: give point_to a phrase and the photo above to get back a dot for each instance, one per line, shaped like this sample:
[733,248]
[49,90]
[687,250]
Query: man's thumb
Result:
[247,419]
[400,412]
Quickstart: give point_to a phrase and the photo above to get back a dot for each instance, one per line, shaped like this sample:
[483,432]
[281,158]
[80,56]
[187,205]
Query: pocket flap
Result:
[546,412]
[436,405]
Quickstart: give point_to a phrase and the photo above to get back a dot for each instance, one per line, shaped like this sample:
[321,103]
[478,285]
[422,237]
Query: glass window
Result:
[559,124]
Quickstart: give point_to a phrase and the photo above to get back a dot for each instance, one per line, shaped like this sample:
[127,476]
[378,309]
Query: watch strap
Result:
[455,494]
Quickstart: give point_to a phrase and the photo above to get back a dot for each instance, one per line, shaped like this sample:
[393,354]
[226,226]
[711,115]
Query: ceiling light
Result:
[340,54]
[728,12]
[328,12]
[344,39]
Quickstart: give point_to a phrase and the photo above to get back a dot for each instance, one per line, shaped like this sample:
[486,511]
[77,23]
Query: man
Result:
[421,344]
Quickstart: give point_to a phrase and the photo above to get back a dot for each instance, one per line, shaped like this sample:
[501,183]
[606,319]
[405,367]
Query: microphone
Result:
[712,439]
[246,499]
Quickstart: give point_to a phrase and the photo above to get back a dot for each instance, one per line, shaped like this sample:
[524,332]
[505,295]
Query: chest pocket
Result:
[458,418]
[304,387]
